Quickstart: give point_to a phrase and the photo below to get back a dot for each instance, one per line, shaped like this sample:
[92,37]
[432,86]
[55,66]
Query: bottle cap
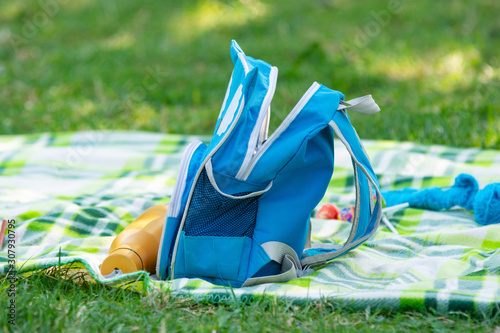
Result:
[124,259]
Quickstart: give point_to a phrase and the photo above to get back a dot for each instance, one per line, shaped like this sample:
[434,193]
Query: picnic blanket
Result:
[69,195]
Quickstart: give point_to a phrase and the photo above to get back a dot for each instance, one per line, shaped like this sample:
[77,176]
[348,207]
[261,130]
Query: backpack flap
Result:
[243,120]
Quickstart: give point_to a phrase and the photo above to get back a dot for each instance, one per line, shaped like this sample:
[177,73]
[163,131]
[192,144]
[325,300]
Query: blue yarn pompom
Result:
[487,205]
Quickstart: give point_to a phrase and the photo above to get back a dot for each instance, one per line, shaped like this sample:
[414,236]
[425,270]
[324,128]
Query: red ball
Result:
[328,212]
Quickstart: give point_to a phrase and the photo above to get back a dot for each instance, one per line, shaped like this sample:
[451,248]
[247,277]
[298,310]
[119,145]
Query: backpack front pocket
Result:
[213,214]
[216,258]
[223,206]
[216,239]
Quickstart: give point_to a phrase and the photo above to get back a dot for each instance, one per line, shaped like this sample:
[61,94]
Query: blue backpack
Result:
[240,210]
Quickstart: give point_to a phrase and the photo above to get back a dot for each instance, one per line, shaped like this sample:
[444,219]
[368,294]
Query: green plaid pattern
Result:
[71,194]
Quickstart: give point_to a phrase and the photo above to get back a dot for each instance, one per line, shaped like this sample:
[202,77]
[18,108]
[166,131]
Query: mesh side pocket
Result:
[212,214]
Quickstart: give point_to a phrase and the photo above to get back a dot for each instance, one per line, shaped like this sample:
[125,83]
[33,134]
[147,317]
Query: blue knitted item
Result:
[435,198]
[464,193]
[460,194]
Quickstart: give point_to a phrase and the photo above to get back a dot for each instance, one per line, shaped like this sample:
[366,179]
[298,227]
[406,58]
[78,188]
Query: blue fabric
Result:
[298,187]
[165,252]
[313,118]
[255,86]
[218,259]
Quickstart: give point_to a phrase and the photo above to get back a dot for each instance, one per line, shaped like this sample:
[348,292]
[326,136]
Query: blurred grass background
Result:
[433,66]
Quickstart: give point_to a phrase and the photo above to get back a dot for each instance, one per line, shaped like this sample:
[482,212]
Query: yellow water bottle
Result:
[136,247]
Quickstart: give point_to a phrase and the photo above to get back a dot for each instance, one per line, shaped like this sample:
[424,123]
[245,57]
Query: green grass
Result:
[48,302]
[433,67]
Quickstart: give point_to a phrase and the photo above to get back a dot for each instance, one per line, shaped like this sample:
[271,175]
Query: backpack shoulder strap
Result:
[367,213]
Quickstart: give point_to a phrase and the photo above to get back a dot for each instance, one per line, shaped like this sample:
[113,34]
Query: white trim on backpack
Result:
[210,175]
[174,204]
[259,133]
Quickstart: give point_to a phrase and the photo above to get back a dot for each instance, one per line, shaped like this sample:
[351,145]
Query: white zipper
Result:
[263,113]
[175,203]
[283,126]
